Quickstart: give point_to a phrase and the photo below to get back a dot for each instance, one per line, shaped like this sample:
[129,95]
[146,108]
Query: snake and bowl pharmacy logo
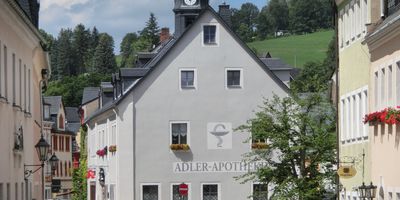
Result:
[219,135]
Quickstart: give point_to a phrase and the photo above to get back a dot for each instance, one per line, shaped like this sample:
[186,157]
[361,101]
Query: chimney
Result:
[164,35]
[225,13]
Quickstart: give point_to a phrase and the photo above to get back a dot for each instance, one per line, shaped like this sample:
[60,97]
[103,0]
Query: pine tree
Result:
[127,50]
[93,42]
[65,59]
[80,45]
[104,58]
[151,32]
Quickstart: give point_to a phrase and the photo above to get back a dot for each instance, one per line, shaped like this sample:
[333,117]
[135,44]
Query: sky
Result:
[115,17]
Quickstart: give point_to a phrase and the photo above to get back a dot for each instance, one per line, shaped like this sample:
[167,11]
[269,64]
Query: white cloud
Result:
[45,4]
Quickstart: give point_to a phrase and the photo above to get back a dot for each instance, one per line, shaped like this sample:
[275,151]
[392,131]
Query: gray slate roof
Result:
[72,115]
[133,72]
[275,64]
[90,94]
[55,103]
[73,127]
[24,4]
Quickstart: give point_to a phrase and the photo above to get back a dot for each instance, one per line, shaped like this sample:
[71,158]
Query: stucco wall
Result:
[158,101]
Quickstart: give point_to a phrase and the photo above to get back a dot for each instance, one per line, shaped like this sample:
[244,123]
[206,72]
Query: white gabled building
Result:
[173,121]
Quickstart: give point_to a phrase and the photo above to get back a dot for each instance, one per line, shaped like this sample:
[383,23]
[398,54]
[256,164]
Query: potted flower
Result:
[102,152]
[112,148]
[179,147]
[388,116]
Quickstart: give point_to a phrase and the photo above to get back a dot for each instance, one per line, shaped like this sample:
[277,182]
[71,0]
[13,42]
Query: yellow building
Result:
[354,64]
[383,41]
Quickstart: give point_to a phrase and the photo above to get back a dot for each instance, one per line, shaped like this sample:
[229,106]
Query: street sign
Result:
[183,189]
[347,171]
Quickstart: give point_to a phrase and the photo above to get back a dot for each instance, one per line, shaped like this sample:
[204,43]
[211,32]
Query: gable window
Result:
[234,78]
[61,122]
[188,78]
[67,144]
[260,192]
[210,192]
[210,34]
[150,192]
[179,132]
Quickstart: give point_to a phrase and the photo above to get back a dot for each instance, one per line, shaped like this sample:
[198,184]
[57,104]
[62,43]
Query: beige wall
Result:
[22,41]
[386,139]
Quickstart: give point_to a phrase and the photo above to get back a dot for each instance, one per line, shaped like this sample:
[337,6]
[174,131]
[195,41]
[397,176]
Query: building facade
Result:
[61,145]
[23,61]
[353,102]
[383,41]
[174,120]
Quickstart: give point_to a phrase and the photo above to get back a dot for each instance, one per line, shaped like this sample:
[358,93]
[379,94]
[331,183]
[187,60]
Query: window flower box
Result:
[259,145]
[179,147]
[387,116]
[102,152]
[112,148]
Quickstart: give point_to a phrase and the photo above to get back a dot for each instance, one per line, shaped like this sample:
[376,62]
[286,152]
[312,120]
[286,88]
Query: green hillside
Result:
[296,50]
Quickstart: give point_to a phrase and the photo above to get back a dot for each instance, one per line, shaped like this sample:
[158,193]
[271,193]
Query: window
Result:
[1,79]
[382,88]
[20,83]
[209,192]
[22,191]
[61,122]
[1,191]
[66,169]
[150,192]
[112,192]
[25,88]
[13,76]
[5,72]
[209,34]
[69,168]
[353,108]
[260,192]
[29,91]
[187,78]
[8,191]
[376,81]
[113,134]
[179,132]
[16,191]
[390,85]
[175,193]
[61,168]
[67,143]
[234,78]
[397,196]
[55,143]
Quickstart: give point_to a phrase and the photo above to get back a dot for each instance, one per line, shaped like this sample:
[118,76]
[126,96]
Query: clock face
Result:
[190,2]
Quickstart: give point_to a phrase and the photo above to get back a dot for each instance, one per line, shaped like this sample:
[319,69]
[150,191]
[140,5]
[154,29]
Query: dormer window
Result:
[210,35]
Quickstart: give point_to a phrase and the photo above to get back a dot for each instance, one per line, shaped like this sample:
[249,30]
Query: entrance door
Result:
[92,191]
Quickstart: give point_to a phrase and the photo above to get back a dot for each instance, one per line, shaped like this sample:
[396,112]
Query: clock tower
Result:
[186,12]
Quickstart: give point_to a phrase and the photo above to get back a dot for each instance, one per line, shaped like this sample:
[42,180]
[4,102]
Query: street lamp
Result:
[367,191]
[42,149]
[53,160]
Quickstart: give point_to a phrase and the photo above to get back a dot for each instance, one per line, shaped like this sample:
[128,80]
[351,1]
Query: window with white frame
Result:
[179,132]
[382,88]
[150,192]
[210,192]
[353,108]
[175,193]
[210,34]
[397,84]
[352,21]
[13,79]
[112,192]
[397,196]
[187,78]
[390,85]
[260,191]
[114,134]
[234,78]
[5,72]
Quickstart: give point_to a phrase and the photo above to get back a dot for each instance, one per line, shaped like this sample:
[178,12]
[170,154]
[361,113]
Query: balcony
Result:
[392,6]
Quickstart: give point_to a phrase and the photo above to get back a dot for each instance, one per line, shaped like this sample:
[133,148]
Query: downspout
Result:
[335,15]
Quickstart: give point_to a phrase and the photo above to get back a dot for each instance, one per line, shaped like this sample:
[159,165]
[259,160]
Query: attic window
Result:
[210,34]
[61,122]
